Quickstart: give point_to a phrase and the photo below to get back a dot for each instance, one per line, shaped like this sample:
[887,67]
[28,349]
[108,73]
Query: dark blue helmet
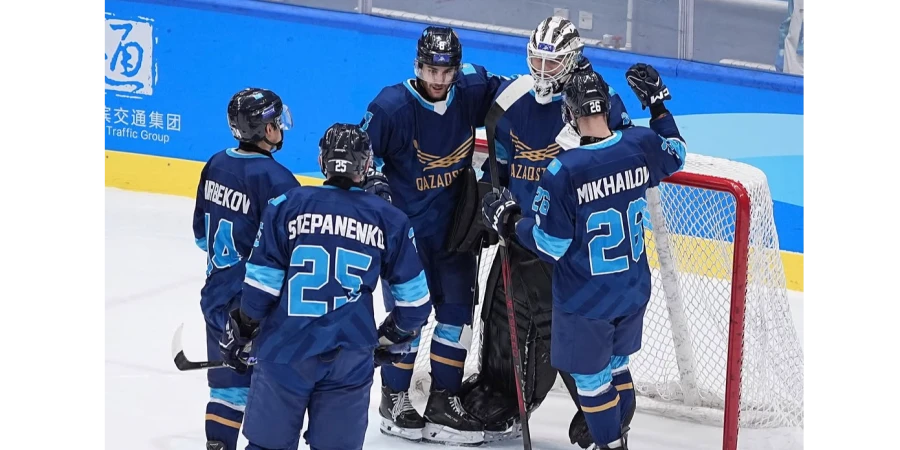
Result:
[251,109]
[345,150]
[585,94]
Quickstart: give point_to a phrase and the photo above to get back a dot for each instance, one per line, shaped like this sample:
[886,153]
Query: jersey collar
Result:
[616,136]
[438,107]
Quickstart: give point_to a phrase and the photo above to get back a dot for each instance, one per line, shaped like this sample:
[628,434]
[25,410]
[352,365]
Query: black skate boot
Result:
[398,417]
[581,436]
[215,445]
[578,431]
[447,422]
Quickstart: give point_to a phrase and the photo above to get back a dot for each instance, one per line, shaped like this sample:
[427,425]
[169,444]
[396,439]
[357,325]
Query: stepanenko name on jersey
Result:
[613,184]
[337,225]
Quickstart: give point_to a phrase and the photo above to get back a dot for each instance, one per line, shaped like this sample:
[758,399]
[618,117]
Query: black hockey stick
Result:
[513,92]
[181,361]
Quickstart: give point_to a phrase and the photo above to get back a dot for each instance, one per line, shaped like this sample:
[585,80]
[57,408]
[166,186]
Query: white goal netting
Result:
[712,248]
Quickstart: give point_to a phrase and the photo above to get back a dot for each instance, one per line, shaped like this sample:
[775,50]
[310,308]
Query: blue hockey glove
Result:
[235,343]
[500,212]
[376,183]
[393,343]
[647,85]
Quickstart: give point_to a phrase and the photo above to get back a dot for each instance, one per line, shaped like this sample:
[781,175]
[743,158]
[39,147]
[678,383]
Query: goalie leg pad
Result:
[492,396]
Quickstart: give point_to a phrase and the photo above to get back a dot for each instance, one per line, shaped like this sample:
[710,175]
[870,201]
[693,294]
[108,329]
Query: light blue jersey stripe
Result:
[411,293]
[552,246]
[265,278]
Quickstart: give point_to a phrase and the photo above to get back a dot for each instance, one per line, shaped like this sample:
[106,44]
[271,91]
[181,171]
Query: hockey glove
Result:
[235,343]
[393,342]
[583,65]
[647,86]
[376,183]
[500,212]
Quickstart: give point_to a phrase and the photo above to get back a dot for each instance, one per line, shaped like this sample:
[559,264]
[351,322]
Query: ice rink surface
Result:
[154,273]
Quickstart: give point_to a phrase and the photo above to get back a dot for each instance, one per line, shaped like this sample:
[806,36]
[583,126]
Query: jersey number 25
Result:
[319,274]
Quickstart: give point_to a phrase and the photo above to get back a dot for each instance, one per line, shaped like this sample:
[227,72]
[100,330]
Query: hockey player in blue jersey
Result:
[307,307]
[590,211]
[528,136]
[423,135]
[235,185]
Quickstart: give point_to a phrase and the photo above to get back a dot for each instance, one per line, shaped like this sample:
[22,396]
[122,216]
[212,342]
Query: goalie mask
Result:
[586,94]
[554,49]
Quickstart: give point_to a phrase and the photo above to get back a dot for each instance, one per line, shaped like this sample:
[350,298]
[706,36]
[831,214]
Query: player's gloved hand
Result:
[583,65]
[235,343]
[647,86]
[393,342]
[500,212]
[376,183]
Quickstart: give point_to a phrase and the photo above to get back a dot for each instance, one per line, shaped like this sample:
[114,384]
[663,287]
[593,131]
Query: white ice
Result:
[154,273]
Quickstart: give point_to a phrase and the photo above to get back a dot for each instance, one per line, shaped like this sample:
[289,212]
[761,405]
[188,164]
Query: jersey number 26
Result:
[599,245]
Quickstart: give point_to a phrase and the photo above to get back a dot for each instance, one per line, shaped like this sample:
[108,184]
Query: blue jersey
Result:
[315,264]
[590,212]
[526,140]
[422,146]
[233,191]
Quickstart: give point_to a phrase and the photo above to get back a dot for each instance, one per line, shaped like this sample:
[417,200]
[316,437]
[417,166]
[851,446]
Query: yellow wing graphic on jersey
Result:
[523,151]
[439,162]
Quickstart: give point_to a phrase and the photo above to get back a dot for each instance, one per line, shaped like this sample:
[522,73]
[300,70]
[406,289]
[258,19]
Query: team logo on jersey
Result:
[442,178]
[523,151]
[529,172]
[432,162]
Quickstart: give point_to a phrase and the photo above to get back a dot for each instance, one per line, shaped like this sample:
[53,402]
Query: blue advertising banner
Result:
[170,71]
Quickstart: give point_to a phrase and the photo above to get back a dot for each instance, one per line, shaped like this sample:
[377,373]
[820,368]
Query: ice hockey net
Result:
[719,343]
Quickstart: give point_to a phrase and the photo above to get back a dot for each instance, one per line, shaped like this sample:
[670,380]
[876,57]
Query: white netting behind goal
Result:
[682,368]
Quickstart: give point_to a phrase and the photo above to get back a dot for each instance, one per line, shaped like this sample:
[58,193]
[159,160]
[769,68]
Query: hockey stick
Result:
[513,92]
[181,361]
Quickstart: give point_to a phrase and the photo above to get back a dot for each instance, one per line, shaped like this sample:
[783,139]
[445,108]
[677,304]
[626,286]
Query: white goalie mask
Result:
[553,51]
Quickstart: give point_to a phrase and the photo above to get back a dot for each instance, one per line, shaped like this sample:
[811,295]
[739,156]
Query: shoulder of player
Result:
[391,216]
[392,99]
[268,170]
[638,133]
[217,157]
[474,75]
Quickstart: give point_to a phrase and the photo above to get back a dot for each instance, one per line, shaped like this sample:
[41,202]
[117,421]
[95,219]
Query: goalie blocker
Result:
[490,395]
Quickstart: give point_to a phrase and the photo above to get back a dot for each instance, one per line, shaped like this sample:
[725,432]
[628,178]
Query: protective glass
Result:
[285,121]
